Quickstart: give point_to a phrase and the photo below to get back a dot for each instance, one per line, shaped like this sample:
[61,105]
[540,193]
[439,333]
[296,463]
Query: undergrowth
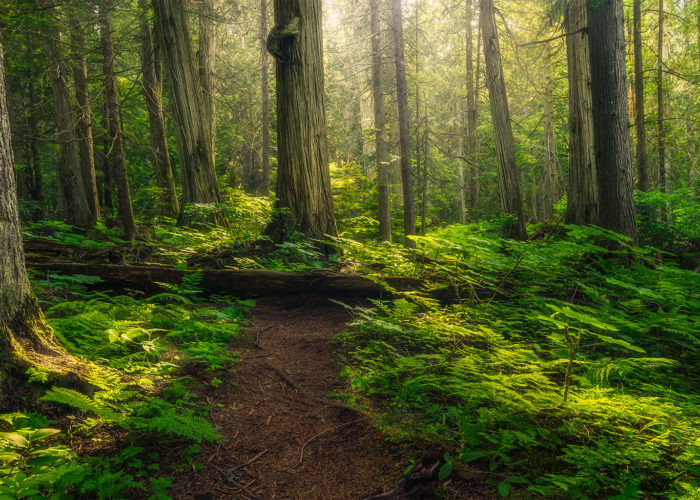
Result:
[561,369]
[140,349]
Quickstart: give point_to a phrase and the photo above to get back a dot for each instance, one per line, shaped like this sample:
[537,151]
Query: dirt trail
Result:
[274,405]
[277,404]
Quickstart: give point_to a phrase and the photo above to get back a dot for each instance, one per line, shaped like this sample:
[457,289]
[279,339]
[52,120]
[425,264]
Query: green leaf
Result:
[504,488]
[15,439]
[469,456]
[445,470]
[40,434]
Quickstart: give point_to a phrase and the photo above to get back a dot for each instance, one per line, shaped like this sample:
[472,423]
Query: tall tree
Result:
[511,201]
[265,102]
[639,115]
[153,94]
[583,177]
[83,114]
[610,117]
[379,125]
[73,201]
[303,176]
[551,187]
[472,110]
[199,183]
[207,60]
[661,98]
[409,212]
[26,340]
[116,152]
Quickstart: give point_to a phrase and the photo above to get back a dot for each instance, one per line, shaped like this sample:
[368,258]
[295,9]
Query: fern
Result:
[81,402]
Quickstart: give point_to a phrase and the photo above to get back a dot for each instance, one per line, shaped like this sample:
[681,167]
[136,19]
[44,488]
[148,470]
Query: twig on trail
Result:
[301,452]
[250,461]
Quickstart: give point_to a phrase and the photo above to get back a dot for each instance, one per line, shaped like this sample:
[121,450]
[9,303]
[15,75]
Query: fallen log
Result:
[237,282]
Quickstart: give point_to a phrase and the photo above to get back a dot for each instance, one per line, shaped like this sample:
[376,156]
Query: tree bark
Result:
[25,338]
[126,214]
[73,201]
[583,176]
[207,62]
[303,176]
[472,112]
[185,91]
[424,194]
[153,94]
[264,91]
[409,212]
[660,98]
[84,115]
[610,117]
[551,188]
[33,176]
[107,187]
[639,115]
[384,200]
[511,201]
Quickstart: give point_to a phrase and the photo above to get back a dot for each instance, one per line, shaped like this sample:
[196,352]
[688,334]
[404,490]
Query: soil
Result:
[283,436]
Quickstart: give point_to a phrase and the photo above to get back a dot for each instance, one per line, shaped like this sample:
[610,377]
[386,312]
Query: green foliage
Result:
[486,376]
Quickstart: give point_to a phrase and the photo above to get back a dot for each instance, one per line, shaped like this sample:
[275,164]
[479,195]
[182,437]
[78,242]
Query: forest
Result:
[349,249]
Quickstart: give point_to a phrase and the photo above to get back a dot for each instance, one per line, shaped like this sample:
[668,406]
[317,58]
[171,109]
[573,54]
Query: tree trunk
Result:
[303,176]
[107,188]
[153,93]
[511,202]
[207,61]
[185,91]
[33,176]
[424,194]
[459,131]
[583,177]
[25,338]
[126,214]
[84,116]
[639,115]
[660,98]
[264,91]
[551,189]
[610,117]
[472,112]
[73,201]
[379,125]
[409,212]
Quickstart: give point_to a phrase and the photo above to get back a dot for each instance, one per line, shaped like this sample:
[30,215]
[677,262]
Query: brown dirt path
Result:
[275,404]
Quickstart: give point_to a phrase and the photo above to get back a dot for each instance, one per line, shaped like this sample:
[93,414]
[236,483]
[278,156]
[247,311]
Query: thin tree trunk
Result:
[73,201]
[33,177]
[660,98]
[460,132]
[424,195]
[551,193]
[264,91]
[107,188]
[583,177]
[379,125]
[639,115]
[185,91]
[511,202]
[303,176]
[126,214]
[207,60]
[84,116]
[153,94]
[473,113]
[409,213]
[610,117]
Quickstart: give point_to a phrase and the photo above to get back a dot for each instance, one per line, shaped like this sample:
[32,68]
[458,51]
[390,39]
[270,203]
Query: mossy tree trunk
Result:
[25,338]
[409,211]
[73,201]
[207,60]
[116,152]
[83,113]
[303,176]
[509,187]
[153,94]
[199,183]
[379,125]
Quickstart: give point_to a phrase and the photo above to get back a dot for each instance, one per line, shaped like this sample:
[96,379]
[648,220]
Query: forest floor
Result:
[283,436]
